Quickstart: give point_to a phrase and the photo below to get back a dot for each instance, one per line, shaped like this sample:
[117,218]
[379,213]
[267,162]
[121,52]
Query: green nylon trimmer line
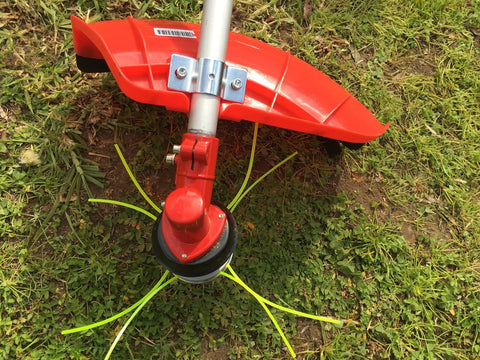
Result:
[163,282]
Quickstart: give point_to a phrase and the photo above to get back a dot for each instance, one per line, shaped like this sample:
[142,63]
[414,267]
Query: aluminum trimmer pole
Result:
[214,32]
[195,238]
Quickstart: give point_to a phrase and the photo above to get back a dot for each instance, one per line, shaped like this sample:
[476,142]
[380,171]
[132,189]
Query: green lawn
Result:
[385,238]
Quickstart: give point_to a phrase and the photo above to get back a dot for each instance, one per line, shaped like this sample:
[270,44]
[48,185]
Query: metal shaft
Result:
[214,32]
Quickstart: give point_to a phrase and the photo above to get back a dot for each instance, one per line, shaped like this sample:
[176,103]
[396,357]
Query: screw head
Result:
[221,216]
[184,256]
[181,72]
[237,84]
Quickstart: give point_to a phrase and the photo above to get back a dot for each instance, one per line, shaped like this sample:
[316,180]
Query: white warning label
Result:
[175,33]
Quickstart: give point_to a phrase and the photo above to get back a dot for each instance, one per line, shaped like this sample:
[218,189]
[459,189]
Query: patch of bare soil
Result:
[217,354]
[309,336]
[411,65]
[368,191]
[476,36]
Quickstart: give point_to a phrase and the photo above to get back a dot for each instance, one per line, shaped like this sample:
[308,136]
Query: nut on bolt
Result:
[176,149]
[181,72]
[170,159]
[237,84]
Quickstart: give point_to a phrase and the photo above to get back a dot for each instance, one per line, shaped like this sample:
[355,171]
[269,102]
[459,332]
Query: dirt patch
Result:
[426,66]
[411,64]
[213,354]
[309,336]
[476,37]
[368,191]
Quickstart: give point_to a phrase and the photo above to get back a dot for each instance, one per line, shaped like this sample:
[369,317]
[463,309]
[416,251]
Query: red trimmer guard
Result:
[281,90]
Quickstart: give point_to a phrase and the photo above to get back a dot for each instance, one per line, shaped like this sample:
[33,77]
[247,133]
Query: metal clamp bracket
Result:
[207,76]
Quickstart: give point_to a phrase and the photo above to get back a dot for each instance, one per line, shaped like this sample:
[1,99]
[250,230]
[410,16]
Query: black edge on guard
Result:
[91,65]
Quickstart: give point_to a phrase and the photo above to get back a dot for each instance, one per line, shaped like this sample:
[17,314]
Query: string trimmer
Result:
[210,73]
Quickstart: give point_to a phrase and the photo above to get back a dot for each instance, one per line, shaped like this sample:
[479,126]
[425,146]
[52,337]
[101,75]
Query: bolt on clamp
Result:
[207,76]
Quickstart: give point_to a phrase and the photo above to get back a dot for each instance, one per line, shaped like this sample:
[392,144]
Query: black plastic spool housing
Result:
[208,266]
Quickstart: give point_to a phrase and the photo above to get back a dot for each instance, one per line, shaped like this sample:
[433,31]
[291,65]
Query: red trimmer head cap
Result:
[206,267]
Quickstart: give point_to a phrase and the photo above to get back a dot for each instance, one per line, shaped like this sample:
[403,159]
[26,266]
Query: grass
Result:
[385,237]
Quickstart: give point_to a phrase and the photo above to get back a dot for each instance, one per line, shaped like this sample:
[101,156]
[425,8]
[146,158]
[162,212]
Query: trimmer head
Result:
[207,267]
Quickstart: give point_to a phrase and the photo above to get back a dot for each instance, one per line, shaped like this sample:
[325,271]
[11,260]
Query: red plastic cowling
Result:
[281,90]
[190,224]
